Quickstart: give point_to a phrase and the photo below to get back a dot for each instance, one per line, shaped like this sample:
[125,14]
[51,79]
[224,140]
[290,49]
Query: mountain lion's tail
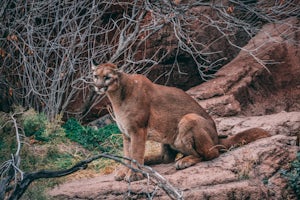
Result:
[242,138]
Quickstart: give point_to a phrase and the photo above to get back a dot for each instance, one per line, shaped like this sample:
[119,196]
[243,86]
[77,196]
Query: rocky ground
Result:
[252,171]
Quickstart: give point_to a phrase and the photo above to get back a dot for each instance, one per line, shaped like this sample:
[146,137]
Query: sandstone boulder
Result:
[284,123]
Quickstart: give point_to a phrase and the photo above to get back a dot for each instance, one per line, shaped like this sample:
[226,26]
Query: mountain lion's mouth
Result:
[101,90]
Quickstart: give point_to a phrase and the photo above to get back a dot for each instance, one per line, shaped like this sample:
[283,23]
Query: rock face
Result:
[245,86]
[283,123]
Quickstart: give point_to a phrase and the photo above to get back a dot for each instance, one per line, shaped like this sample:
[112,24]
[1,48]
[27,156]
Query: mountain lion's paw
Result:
[133,176]
[121,173]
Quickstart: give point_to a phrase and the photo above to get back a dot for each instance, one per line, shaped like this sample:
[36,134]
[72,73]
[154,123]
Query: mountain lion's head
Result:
[106,77]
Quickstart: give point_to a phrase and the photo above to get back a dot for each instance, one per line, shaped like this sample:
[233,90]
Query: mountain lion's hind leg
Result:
[195,141]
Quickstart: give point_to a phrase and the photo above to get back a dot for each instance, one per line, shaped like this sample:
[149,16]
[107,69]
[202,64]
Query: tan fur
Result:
[148,111]
[244,137]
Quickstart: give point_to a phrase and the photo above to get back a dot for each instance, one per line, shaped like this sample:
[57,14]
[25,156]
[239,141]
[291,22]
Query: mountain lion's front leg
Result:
[123,170]
[137,151]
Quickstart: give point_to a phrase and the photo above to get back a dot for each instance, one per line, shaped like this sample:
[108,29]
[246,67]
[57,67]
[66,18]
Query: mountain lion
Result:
[148,111]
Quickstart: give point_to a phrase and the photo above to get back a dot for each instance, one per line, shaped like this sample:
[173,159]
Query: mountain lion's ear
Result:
[94,65]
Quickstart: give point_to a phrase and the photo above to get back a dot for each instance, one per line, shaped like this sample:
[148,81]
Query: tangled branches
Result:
[46,47]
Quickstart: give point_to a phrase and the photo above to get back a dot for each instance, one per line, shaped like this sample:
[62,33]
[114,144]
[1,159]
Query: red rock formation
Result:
[245,86]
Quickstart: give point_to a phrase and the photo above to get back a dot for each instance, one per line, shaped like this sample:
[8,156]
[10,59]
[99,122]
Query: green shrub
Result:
[106,139]
[37,125]
[293,175]
[54,129]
